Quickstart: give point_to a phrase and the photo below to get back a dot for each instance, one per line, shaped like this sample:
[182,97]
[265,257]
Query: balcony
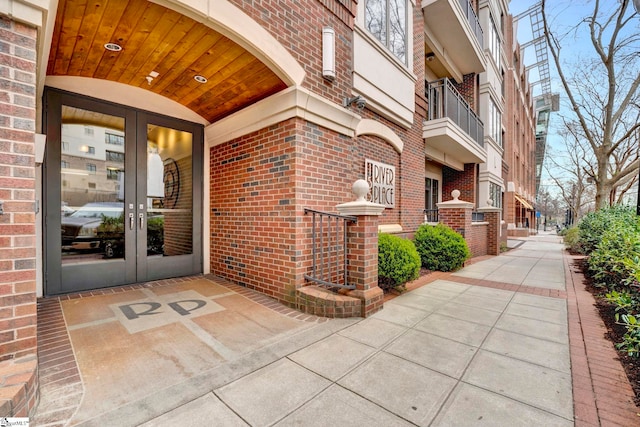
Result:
[452,128]
[454,32]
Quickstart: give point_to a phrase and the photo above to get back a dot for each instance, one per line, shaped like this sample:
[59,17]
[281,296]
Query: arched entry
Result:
[138,46]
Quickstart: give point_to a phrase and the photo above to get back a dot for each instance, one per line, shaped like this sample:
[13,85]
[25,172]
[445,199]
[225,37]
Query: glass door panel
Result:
[92,176]
[169,192]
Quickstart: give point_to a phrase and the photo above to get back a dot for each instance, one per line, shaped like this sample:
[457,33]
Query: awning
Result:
[523,202]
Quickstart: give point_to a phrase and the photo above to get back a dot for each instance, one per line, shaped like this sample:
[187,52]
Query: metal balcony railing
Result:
[329,249]
[444,100]
[473,20]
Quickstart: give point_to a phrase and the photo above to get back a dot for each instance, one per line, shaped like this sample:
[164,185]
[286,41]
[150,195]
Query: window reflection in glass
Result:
[92,220]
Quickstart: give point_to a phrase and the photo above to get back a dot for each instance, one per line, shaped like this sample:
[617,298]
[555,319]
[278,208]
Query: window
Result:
[112,174]
[431,198]
[495,194]
[91,150]
[494,43]
[64,164]
[91,167]
[113,156]
[386,20]
[65,146]
[495,123]
[114,139]
[88,131]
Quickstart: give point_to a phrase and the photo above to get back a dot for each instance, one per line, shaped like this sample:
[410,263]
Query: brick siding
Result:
[18,385]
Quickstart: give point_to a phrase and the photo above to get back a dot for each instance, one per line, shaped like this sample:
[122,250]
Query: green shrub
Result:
[440,247]
[572,239]
[593,225]
[615,261]
[398,261]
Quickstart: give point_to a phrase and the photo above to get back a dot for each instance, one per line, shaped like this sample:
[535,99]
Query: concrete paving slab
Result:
[469,406]
[434,352]
[541,387]
[436,293]
[373,332]
[545,283]
[498,294]
[332,357]
[337,406]
[482,302]
[534,328]
[421,302]
[271,393]
[408,390]
[535,350]
[199,412]
[470,314]
[469,333]
[400,314]
[445,285]
[537,313]
[540,301]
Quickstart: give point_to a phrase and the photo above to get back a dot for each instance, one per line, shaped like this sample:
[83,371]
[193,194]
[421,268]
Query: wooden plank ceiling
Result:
[154,38]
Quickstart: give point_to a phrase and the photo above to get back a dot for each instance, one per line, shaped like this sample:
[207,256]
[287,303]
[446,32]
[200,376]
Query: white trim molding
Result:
[372,127]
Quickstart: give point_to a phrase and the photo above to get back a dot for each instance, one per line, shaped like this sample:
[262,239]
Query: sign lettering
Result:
[382,183]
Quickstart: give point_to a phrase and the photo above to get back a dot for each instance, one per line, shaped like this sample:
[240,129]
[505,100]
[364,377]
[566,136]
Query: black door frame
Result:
[59,279]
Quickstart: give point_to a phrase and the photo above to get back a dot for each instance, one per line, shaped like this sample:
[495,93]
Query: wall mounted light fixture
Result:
[358,100]
[328,53]
[430,56]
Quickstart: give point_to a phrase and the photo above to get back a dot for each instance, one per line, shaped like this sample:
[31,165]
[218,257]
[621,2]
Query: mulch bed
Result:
[615,332]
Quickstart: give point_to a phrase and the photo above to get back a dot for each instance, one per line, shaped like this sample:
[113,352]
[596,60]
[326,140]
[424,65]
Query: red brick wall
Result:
[17,190]
[468,89]
[466,181]
[298,27]
[260,185]
[477,239]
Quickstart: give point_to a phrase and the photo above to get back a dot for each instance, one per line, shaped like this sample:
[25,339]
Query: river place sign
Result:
[382,183]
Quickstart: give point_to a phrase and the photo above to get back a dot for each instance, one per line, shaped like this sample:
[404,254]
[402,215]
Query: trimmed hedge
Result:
[440,247]
[398,261]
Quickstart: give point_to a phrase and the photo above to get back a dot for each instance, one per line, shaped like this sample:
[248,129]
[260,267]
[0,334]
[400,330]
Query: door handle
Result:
[141,218]
[132,221]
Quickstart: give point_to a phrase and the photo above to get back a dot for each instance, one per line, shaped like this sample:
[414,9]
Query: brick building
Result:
[228,122]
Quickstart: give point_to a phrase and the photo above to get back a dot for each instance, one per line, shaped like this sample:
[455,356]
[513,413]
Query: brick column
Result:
[494,230]
[456,214]
[363,249]
[18,360]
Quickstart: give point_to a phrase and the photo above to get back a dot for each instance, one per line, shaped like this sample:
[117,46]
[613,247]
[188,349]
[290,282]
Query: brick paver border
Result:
[602,393]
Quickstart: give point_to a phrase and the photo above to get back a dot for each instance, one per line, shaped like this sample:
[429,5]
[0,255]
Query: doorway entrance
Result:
[123,195]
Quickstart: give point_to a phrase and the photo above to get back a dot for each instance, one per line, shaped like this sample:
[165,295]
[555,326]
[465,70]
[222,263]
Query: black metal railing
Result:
[444,100]
[431,215]
[329,250]
[474,22]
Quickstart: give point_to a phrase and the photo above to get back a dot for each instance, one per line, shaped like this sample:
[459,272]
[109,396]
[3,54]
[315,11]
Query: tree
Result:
[602,88]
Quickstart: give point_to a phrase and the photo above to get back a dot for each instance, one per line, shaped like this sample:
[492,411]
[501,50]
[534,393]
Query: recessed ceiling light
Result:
[200,79]
[113,47]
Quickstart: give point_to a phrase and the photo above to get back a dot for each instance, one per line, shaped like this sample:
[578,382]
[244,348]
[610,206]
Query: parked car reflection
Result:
[80,229]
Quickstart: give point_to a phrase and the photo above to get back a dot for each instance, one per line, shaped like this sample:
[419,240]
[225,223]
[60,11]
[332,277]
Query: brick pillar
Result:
[18,360]
[494,230]
[456,214]
[363,249]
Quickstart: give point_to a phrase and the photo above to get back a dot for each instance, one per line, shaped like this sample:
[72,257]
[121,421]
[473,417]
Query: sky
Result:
[563,15]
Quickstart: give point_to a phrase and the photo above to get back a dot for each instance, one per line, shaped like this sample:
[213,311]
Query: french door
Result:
[122,195]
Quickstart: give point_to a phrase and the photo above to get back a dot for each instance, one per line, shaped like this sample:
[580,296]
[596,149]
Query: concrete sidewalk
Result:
[487,345]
